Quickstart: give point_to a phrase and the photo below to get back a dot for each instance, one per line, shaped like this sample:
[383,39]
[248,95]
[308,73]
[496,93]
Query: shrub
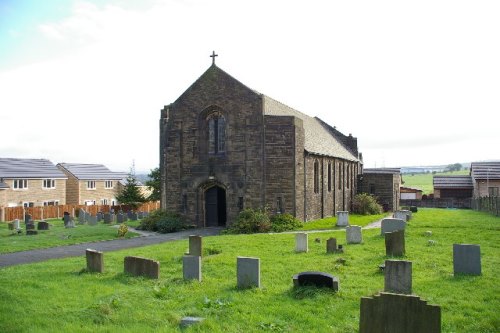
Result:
[163,222]
[122,230]
[250,221]
[284,222]
[365,204]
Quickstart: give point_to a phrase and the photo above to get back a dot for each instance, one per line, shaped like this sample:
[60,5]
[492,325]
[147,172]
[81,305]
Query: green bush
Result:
[366,204]
[251,221]
[163,222]
[284,222]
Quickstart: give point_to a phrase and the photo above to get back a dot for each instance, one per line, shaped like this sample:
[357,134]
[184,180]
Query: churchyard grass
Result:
[330,222]
[58,295]
[57,235]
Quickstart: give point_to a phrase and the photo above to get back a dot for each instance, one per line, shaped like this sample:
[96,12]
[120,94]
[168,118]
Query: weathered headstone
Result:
[43,225]
[70,223]
[66,218]
[133,216]
[191,267]
[92,220]
[138,266]
[108,218]
[404,215]
[390,225]
[120,218]
[195,245]
[30,226]
[342,219]
[395,243]
[129,214]
[99,216]
[353,234]
[188,321]
[331,246]
[387,312]
[413,209]
[95,261]
[466,259]
[398,276]
[27,218]
[81,216]
[318,279]
[16,224]
[140,215]
[301,242]
[248,272]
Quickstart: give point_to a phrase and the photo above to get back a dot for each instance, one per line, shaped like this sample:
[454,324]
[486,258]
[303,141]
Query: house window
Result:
[216,133]
[20,184]
[108,184]
[91,185]
[49,183]
[493,191]
[89,202]
[28,204]
[279,205]
[316,177]
[51,203]
[329,177]
[104,201]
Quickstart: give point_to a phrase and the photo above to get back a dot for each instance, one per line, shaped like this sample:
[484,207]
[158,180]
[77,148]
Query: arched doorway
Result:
[215,207]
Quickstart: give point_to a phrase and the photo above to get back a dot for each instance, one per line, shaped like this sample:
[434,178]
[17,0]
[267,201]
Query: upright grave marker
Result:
[353,234]
[466,259]
[248,272]
[342,219]
[395,243]
[390,225]
[95,261]
[191,267]
[398,276]
[301,242]
[195,245]
[138,266]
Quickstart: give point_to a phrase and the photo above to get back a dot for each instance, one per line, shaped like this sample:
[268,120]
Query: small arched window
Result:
[216,133]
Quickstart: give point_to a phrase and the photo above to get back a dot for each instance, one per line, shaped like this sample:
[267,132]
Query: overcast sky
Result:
[417,82]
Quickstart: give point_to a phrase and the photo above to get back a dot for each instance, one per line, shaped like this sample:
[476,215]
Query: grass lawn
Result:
[59,296]
[423,181]
[330,222]
[57,235]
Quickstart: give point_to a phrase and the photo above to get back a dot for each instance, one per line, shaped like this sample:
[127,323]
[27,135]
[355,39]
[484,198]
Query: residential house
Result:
[485,179]
[91,184]
[456,187]
[31,182]
[384,184]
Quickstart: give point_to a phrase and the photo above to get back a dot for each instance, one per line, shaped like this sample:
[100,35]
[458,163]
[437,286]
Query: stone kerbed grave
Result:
[342,219]
[317,279]
[138,266]
[466,259]
[398,276]
[331,246]
[395,243]
[95,261]
[301,242]
[191,268]
[195,245]
[396,313]
[248,272]
[188,321]
[390,225]
[43,225]
[353,234]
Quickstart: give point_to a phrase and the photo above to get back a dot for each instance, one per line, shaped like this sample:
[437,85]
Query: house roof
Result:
[318,138]
[91,171]
[485,170]
[26,168]
[382,170]
[444,182]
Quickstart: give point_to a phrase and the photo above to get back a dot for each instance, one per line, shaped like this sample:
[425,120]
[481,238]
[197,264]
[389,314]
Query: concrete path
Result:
[147,238]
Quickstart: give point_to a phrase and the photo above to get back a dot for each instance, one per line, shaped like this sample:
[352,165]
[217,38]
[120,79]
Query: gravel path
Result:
[147,238]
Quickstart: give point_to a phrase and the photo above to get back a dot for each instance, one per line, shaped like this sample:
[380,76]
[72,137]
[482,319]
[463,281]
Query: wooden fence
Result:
[49,212]
[487,204]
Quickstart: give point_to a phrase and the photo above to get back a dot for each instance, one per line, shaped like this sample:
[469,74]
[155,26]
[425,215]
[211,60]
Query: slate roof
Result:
[444,182]
[318,139]
[26,168]
[92,171]
[382,170]
[485,170]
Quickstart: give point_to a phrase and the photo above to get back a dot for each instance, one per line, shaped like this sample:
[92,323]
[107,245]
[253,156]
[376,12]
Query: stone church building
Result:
[225,147]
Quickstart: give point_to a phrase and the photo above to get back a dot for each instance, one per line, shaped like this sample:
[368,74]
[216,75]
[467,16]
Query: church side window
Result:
[216,133]
[340,176]
[316,177]
[329,177]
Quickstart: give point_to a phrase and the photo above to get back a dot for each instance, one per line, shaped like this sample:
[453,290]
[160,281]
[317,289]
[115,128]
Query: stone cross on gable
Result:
[213,57]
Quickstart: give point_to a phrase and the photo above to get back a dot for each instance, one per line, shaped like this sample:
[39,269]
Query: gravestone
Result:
[70,224]
[331,246]
[99,216]
[248,272]
[43,225]
[413,209]
[353,234]
[81,216]
[398,276]
[466,259]
[95,261]
[16,224]
[31,231]
[195,245]
[92,220]
[11,225]
[30,226]
[66,218]
[27,218]
[140,215]
[129,214]
[394,313]
[342,219]
[404,215]
[191,267]
[133,216]
[188,321]
[138,266]
[301,242]
[317,279]
[120,218]
[390,225]
[108,218]
[395,243]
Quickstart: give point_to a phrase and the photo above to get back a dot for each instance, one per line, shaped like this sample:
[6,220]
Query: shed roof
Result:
[318,139]
[410,189]
[485,170]
[443,182]
[91,171]
[27,168]
[382,170]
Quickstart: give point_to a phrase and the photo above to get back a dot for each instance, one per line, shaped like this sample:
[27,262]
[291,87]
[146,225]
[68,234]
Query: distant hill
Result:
[423,181]
[429,168]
